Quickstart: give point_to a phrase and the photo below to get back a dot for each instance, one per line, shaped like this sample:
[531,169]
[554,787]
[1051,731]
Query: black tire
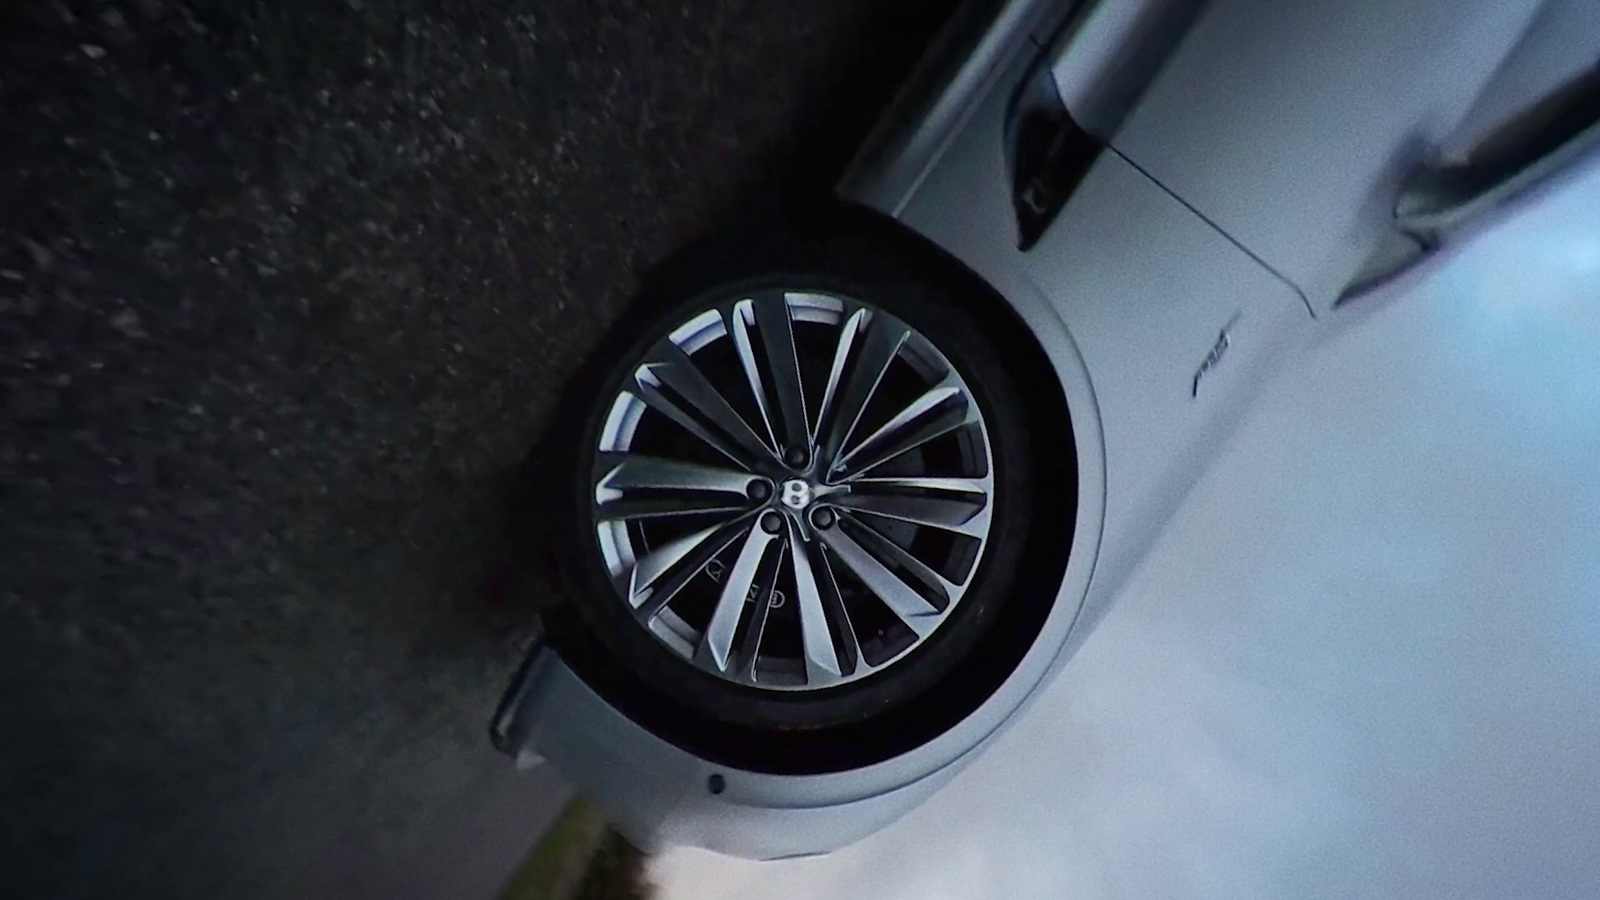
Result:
[593,629]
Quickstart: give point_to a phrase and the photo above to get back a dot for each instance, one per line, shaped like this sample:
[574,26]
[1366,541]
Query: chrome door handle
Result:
[1558,130]
[1440,199]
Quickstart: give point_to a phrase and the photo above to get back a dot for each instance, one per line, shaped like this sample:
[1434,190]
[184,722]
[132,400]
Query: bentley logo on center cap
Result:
[796,494]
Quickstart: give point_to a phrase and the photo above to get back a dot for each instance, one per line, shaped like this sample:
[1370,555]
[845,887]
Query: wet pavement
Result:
[287,292]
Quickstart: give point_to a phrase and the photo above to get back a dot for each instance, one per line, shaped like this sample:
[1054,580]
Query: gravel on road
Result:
[287,292]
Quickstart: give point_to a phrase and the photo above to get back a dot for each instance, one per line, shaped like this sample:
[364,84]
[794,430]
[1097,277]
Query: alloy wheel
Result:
[792,489]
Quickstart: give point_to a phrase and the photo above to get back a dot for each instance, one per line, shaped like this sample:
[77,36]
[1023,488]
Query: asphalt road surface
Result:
[287,292]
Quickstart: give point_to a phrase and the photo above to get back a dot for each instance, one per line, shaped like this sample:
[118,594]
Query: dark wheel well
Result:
[1038,575]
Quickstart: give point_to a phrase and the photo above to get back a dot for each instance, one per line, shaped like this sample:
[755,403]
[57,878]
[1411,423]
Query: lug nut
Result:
[822,517]
[796,456]
[771,522]
[759,490]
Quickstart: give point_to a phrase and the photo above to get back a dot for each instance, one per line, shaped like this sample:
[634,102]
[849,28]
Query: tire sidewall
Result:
[595,621]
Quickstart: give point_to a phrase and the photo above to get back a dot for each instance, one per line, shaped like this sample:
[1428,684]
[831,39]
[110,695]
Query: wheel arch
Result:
[1045,557]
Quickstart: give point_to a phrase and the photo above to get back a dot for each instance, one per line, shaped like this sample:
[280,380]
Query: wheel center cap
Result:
[796,493]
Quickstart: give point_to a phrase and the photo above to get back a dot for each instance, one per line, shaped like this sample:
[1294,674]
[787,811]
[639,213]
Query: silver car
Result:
[835,503]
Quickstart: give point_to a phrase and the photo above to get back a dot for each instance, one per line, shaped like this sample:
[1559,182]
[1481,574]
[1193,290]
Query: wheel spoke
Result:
[777,336]
[649,393]
[630,508]
[704,489]
[960,505]
[849,333]
[943,589]
[704,412]
[625,471]
[755,624]
[739,321]
[654,580]
[838,616]
[854,378]
[822,662]
[904,600]
[953,485]
[939,411]
[717,642]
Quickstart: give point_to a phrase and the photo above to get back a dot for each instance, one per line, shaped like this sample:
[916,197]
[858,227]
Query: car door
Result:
[1293,126]
[1161,328]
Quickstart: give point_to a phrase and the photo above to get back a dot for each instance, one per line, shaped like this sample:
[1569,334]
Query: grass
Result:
[616,872]
[580,859]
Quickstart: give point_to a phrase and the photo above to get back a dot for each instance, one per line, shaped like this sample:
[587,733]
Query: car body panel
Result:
[980,44]
[1292,125]
[1157,353]
[1560,44]
[665,796]
[659,795]
[1141,332]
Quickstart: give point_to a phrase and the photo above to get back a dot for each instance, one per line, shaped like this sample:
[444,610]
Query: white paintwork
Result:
[1127,292]
[1363,662]
[1142,324]
[1561,42]
[1095,61]
[1291,125]
[657,795]
[1078,278]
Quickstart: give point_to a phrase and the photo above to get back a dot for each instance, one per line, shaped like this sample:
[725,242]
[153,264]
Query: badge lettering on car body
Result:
[1218,351]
